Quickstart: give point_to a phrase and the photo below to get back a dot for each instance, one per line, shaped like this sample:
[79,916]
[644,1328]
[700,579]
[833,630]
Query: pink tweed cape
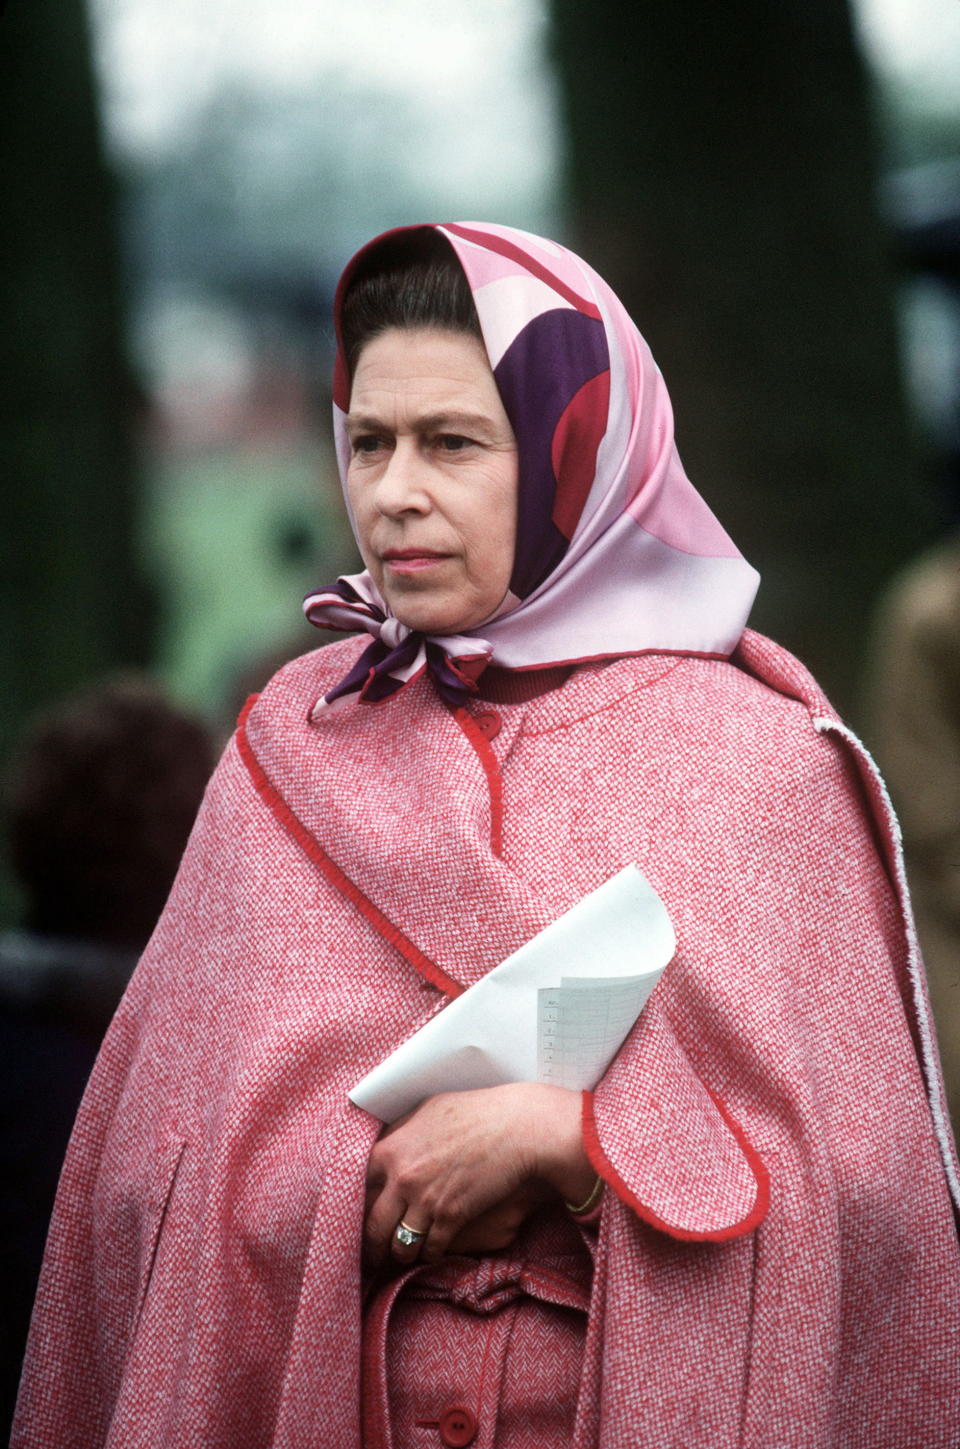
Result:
[776,1266]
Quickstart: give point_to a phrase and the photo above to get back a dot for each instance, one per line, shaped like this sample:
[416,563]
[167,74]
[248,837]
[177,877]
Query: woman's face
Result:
[432,479]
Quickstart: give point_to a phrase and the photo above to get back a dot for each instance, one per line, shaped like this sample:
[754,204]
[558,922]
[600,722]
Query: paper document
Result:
[556,1010]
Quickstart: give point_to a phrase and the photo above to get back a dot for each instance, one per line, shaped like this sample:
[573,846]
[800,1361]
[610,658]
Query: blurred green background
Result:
[765,185]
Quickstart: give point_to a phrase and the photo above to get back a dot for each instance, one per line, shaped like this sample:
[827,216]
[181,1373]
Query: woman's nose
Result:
[401,487]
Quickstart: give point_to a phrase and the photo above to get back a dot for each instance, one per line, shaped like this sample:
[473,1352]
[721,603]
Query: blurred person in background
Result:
[915,717]
[744,1234]
[100,802]
[917,728]
[914,657]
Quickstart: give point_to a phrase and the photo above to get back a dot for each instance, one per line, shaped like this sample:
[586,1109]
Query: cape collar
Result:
[397,803]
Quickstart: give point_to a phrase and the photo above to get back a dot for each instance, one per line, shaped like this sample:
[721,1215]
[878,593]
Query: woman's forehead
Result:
[434,372]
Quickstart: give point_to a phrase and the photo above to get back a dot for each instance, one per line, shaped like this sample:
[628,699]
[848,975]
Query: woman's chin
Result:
[427,622]
[432,615]
[435,616]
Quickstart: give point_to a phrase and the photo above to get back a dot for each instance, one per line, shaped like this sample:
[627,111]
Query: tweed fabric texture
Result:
[501,1337]
[776,1266]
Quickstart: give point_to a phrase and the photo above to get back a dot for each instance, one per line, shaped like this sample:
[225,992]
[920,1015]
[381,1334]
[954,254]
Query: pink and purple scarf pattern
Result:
[616,551]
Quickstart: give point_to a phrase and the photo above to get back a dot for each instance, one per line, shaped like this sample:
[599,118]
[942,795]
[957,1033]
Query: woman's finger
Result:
[442,1232]
[383,1215]
[497,1228]
[407,1231]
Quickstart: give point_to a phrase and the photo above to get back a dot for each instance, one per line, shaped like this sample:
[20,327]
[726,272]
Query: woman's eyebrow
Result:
[445,420]
[364,422]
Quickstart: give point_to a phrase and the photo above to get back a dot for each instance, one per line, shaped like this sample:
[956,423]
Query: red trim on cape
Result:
[491,768]
[617,654]
[312,848]
[602,1165]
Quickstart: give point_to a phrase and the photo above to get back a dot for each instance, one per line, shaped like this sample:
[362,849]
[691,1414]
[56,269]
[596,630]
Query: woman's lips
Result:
[412,560]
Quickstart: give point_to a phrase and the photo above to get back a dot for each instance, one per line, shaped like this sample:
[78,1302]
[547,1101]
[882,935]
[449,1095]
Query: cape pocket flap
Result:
[668,1146]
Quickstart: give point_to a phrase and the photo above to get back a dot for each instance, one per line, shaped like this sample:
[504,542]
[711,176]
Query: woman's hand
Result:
[453,1167]
[496,1229]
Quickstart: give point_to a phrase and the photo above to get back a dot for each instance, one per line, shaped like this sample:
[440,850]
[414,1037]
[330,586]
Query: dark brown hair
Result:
[102,798]
[410,280]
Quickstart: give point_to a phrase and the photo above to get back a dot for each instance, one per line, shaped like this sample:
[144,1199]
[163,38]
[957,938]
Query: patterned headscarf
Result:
[616,552]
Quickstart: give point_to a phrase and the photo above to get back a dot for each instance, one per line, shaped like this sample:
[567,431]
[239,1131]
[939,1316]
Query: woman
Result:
[744,1235]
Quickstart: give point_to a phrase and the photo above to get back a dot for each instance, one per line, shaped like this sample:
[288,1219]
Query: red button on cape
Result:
[458,1427]
[488,723]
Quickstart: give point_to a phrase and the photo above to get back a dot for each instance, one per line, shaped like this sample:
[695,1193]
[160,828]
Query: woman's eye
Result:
[452,442]
[366,443]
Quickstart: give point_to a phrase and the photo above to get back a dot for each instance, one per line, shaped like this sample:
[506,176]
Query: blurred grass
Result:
[233,538]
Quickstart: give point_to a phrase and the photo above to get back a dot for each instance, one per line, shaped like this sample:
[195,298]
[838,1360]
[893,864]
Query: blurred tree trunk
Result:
[73,604]
[721,174]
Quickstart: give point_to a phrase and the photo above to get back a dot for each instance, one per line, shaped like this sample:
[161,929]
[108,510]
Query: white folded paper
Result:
[556,1010]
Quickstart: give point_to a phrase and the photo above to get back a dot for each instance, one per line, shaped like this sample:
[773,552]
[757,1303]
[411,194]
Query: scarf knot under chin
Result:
[396,654]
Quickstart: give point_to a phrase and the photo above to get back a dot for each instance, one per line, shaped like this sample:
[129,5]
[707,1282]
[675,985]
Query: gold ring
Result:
[408,1236]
